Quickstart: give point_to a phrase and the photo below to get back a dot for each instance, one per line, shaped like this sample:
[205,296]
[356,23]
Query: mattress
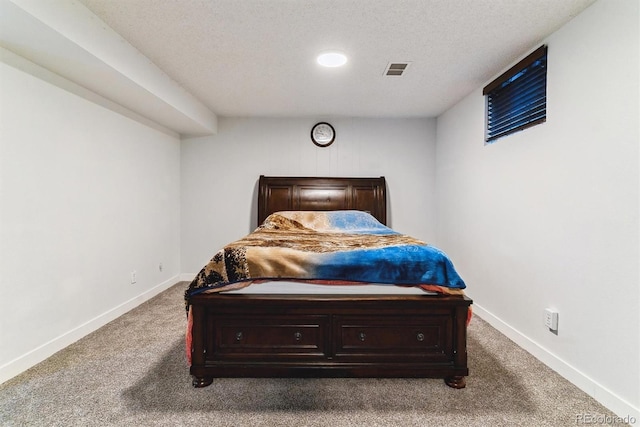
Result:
[286,287]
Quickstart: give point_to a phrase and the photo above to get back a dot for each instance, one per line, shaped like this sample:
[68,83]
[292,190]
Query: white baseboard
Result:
[606,397]
[37,355]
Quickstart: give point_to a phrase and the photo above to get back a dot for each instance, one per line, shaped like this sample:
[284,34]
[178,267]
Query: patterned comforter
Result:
[334,246]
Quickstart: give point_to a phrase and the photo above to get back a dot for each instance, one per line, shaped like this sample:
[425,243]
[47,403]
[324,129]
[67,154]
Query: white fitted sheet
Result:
[285,287]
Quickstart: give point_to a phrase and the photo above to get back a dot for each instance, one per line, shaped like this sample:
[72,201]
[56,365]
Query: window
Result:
[518,98]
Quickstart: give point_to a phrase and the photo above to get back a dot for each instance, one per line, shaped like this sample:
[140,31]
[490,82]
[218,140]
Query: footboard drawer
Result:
[268,337]
[424,338]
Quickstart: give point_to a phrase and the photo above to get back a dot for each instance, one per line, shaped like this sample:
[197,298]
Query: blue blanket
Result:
[349,246]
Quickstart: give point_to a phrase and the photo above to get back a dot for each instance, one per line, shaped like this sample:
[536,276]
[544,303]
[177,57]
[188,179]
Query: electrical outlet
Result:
[551,319]
[133,277]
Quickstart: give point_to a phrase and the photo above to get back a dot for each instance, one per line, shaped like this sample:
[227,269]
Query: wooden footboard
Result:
[329,336]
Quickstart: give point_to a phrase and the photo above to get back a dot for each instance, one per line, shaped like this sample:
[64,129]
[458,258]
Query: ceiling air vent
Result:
[396,68]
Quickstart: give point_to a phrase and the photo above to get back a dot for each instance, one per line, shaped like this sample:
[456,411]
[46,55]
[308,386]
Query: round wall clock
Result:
[323,134]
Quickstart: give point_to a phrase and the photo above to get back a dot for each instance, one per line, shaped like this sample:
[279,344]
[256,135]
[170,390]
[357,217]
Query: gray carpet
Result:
[133,372]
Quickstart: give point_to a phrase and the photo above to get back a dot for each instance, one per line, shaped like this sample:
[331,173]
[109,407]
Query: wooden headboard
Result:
[280,193]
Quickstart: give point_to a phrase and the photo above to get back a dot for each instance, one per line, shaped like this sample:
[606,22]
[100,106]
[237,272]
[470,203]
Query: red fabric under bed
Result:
[188,339]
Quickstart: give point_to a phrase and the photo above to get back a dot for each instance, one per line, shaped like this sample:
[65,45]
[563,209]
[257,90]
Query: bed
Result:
[328,331]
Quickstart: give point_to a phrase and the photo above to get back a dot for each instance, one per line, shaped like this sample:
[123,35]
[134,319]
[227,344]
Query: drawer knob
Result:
[420,336]
[238,336]
[297,336]
[361,336]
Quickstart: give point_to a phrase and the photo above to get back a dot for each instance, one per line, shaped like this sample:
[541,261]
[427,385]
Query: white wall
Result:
[220,173]
[86,196]
[549,217]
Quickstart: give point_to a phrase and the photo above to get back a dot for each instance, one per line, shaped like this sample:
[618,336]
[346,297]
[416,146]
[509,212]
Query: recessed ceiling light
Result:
[332,59]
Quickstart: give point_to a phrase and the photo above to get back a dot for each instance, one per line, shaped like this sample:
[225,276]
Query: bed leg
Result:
[200,382]
[457,381]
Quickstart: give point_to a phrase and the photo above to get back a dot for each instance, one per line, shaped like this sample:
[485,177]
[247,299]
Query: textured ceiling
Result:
[257,57]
